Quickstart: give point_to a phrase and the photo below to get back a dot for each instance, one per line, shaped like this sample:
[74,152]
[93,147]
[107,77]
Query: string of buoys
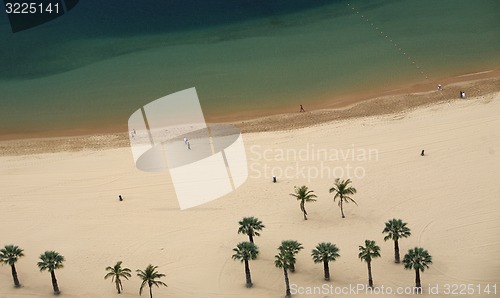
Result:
[419,68]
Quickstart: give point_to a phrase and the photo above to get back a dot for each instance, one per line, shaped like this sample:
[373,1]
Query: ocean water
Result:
[93,67]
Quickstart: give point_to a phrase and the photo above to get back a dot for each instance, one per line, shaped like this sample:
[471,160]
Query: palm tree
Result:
[292,247]
[10,254]
[303,194]
[50,261]
[417,259]
[342,190]
[396,229]
[245,251]
[367,253]
[149,277]
[283,260]
[325,252]
[250,226]
[116,273]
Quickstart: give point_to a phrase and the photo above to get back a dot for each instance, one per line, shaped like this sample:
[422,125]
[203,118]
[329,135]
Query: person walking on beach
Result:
[185,140]
[188,144]
[302,109]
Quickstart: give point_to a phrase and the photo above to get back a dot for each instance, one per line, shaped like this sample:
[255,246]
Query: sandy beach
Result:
[60,195]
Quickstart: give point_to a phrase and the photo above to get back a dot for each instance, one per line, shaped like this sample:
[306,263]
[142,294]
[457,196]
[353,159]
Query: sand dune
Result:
[450,198]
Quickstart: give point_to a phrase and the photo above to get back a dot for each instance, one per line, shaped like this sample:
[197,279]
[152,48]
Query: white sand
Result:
[450,198]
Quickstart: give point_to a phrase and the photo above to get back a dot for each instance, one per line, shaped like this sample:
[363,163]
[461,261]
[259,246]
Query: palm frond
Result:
[396,229]
[325,251]
[417,258]
[50,261]
[149,276]
[10,254]
[245,251]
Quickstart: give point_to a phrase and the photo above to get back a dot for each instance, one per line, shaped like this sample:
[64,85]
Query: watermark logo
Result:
[310,162]
[205,161]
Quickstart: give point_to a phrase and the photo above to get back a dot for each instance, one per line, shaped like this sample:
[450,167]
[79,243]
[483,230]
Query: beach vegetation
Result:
[51,261]
[250,226]
[116,273]
[303,194]
[244,252]
[282,261]
[9,255]
[367,253]
[343,192]
[417,259]
[292,247]
[325,252]
[151,278]
[395,230]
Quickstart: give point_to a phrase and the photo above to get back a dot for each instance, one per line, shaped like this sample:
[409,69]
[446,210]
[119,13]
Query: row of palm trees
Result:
[341,190]
[416,259]
[49,261]
[52,260]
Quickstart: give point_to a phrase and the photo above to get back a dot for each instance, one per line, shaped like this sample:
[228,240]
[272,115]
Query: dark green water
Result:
[99,63]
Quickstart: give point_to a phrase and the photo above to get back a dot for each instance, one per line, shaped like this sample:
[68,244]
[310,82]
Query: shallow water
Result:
[93,67]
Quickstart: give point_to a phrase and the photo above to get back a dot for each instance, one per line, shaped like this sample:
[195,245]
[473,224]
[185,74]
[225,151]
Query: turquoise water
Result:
[91,68]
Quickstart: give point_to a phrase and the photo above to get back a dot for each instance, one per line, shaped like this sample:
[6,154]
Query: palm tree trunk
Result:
[370,279]
[396,251]
[417,281]
[250,237]
[342,208]
[248,276]
[117,281]
[14,276]
[288,294]
[150,291]
[327,270]
[303,208]
[54,283]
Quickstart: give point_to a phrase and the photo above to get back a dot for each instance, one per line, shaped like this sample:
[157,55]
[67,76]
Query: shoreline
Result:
[399,100]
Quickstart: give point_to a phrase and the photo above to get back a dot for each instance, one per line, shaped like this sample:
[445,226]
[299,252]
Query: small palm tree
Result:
[367,253]
[116,272]
[283,260]
[325,252]
[149,277]
[343,191]
[250,226]
[303,194]
[292,247]
[9,255]
[50,261]
[244,252]
[417,259]
[396,229]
